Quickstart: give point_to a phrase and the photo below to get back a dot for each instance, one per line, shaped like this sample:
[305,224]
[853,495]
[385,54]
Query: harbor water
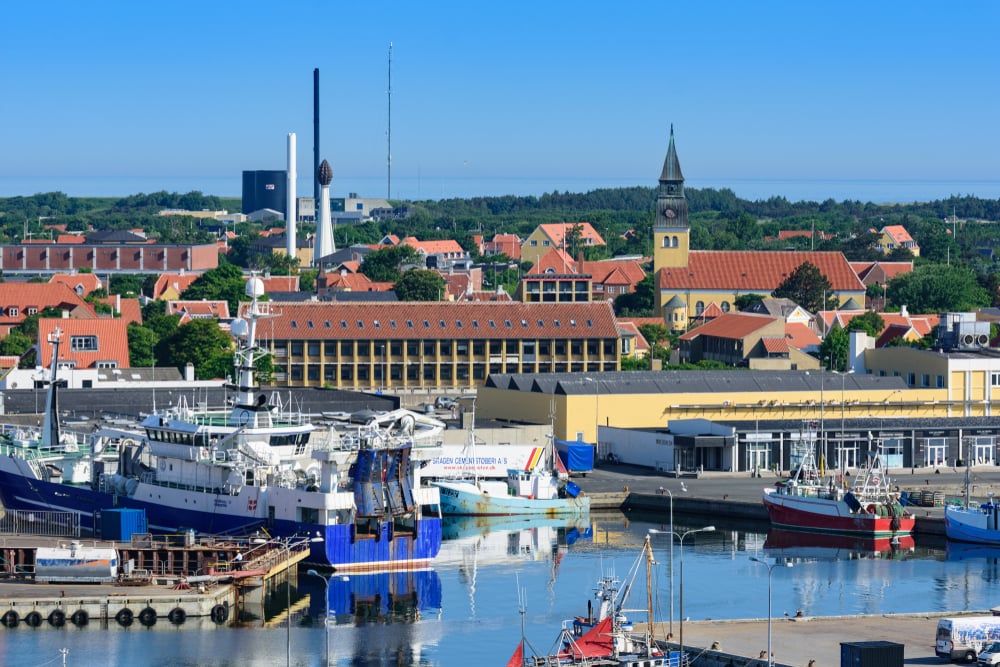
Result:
[466,610]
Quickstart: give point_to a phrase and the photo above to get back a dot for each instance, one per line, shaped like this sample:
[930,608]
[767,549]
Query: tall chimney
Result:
[316,138]
[290,212]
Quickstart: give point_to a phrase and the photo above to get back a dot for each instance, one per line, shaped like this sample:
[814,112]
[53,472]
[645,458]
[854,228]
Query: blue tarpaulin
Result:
[576,455]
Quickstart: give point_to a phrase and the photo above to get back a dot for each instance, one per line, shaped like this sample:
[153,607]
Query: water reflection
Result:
[798,545]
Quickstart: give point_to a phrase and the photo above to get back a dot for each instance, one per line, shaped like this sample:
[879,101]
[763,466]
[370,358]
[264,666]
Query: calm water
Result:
[468,606]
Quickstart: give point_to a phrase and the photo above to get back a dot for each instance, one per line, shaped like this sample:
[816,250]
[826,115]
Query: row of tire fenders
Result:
[125,617]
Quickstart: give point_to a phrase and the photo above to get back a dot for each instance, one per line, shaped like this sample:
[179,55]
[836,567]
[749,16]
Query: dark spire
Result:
[325,173]
[671,166]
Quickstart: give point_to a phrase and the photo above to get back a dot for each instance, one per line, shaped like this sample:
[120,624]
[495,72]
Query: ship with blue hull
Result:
[252,467]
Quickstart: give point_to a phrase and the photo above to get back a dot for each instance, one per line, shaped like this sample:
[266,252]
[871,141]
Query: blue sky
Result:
[546,91]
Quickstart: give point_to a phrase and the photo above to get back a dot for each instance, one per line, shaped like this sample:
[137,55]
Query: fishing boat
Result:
[251,467]
[541,487]
[815,502]
[976,523]
[610,641]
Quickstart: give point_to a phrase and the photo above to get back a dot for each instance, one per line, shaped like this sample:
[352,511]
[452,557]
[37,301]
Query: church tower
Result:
[671,231]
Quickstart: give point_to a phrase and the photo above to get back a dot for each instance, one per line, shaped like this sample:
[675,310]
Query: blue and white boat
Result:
[251,467]
[976,524]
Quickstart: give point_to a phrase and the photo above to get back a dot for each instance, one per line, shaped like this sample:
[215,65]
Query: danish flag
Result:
[252,505]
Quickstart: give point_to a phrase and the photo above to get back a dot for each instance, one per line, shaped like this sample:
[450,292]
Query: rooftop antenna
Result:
[388,182]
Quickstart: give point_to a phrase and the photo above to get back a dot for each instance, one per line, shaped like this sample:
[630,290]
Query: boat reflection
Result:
[494,539]
[796,545]
[968,551]
[380,597]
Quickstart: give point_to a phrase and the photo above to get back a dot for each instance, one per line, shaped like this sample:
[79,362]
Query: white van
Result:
[962,638]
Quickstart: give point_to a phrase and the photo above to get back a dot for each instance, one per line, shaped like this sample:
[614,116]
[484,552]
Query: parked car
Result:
[445,402]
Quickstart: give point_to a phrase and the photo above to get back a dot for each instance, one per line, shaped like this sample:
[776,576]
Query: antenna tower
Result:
[388,134]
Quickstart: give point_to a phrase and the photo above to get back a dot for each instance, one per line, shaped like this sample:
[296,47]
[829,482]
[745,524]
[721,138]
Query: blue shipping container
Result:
[120,525]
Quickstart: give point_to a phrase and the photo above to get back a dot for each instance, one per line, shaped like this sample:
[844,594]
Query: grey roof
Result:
[691,382]
[671,165]
[852,305]
[115,236]
[773,306]
[675,302]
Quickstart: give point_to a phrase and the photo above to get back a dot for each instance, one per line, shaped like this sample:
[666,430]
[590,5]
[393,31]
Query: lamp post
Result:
[680,538]
[841,455]
[326,608]
[770,568]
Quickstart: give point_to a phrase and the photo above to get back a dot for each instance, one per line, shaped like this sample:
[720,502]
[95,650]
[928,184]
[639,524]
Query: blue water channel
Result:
[467,608]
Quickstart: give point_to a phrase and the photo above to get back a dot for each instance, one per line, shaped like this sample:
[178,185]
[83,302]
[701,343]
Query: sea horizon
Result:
[877,191]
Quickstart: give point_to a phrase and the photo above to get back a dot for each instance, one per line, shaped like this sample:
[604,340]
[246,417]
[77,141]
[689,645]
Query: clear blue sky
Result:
[497,91]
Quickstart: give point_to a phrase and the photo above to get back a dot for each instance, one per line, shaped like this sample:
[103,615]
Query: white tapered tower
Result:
[324,224]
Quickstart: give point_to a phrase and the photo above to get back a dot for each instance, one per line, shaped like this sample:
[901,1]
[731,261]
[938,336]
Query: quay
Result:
[160,578]
[738,496]
[803,641]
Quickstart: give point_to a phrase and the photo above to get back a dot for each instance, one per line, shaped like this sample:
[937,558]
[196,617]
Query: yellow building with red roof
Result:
[691,280]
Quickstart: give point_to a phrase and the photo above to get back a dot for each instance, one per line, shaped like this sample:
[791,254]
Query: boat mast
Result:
[50,429]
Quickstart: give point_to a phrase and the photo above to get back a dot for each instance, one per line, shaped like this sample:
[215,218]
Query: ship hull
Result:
[976,525]
[384,548]
[828,515]
[465,499]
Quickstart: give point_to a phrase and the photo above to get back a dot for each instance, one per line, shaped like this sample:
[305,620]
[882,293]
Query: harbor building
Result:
[399,346]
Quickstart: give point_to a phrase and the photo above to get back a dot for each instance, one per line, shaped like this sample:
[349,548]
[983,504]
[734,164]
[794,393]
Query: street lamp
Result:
[680,538]
[326,608]
[671,564]
[842,454]
[770,568]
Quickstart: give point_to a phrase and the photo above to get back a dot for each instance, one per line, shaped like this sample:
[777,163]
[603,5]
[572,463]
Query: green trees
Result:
[744,301]
[224,283]
[386,265]
[202,343]
[806,286]
[935,288]
[420,285]
[639,303]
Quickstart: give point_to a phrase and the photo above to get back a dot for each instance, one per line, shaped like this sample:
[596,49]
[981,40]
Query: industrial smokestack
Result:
[316,138]
[290,212]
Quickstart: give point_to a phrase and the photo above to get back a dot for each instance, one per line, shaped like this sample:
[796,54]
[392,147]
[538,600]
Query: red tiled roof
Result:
[892,332]
[883,271]
[88,282]
[897,233]
[615,271]
[423,320]
[625,326]
[486,297]
[773,345]
[199,309]
[800,336]
[754,270]
[22,296]
[130,309]
[71,238]
[443,247]
[281,284]
[554,261]
[557,231]
[178,281]
[731,325]
[112,341]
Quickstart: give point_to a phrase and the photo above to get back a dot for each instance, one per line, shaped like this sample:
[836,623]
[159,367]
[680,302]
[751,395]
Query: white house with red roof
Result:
[744,339]
[19,300]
